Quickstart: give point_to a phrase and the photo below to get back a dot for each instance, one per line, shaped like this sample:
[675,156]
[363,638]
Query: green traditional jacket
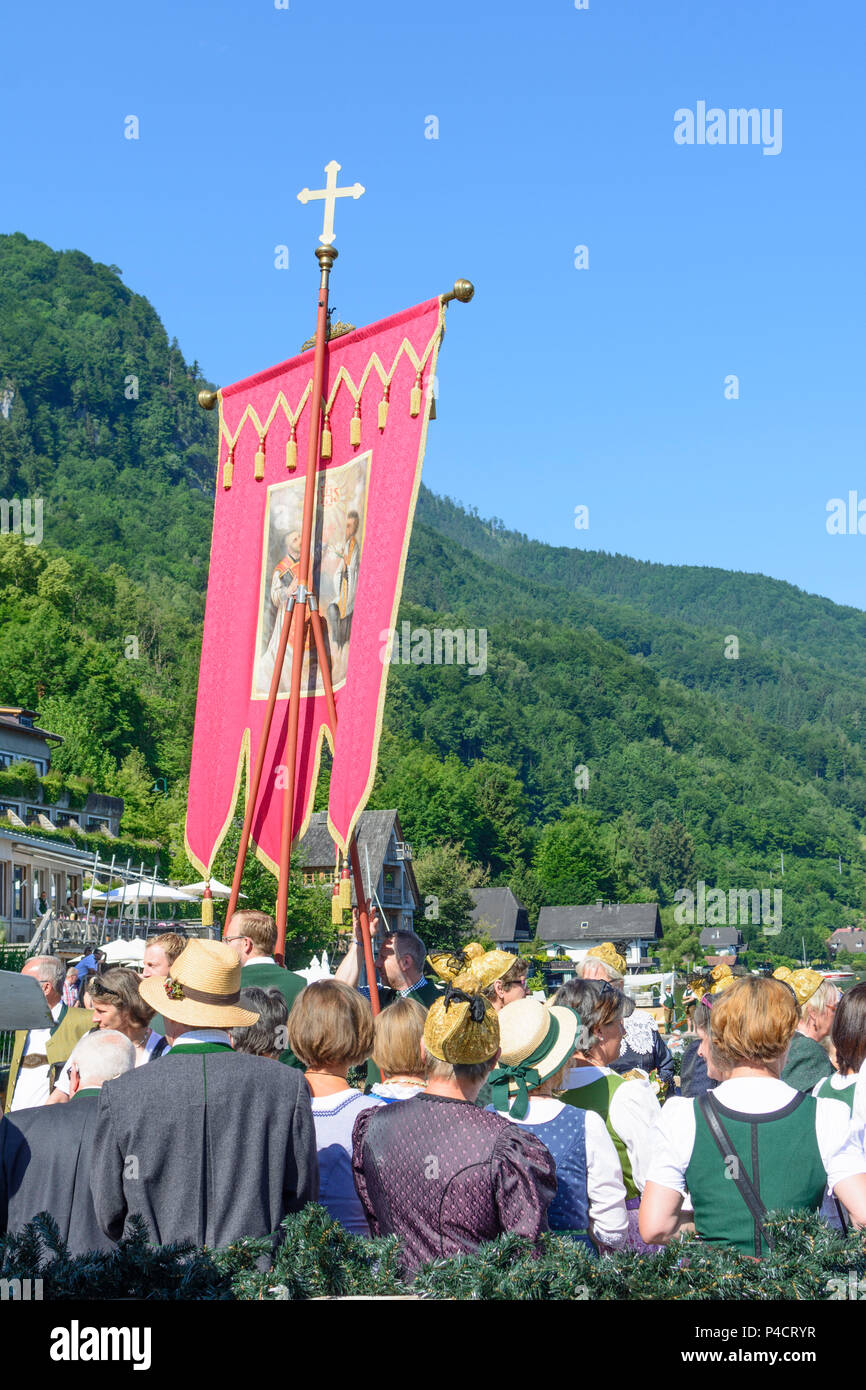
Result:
[844,1093]
[779,1152]
[597,1096]
[269,975]
[807,1063]
[71,1025]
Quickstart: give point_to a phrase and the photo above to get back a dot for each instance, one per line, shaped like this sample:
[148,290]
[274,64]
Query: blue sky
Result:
[559,387]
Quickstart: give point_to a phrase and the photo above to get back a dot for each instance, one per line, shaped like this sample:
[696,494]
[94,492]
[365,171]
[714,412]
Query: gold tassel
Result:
[229,468]
[415,398]
[345,887]
[336,908]
[432,415]
[260,460]
[355,426]
[383,407]
[326,438]
[292,452]
[207,909]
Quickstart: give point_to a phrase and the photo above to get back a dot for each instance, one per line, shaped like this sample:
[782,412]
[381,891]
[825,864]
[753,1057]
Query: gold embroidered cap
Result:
[203,988]
[461,1028]
[447,964]
[483,970]
[724,982]
[804,983]
[608,953]
[782,973]
[720,972]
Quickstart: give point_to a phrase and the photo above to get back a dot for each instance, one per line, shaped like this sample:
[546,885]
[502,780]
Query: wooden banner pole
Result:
[252,798]
[326,255]
[360,896]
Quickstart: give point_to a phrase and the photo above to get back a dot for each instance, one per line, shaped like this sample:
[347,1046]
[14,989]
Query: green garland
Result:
[319,1258]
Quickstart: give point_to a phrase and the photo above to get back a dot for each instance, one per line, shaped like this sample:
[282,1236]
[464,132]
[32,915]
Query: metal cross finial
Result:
[330,193]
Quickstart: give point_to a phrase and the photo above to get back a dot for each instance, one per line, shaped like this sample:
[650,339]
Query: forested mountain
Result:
[697,764]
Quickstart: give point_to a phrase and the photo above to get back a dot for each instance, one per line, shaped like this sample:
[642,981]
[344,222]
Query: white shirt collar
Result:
[261,960]
[55,1012]
[203,1035]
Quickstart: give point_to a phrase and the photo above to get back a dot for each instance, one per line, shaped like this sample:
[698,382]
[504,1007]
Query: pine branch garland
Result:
[318,1258]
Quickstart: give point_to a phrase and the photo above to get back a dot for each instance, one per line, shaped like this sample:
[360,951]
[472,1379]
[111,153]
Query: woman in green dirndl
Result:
[755,1144]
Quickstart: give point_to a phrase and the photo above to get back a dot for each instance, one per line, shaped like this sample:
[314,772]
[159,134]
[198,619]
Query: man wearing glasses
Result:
[253,938]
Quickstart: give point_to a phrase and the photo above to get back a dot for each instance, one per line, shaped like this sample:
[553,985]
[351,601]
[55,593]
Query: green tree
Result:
[445,878]
[81,752]
[573,861]
[670,858]
[135,784]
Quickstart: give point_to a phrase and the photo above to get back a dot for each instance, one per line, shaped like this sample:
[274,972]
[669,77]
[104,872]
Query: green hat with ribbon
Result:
[537,1040]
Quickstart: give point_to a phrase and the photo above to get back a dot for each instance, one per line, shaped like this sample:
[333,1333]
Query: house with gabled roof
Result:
[501,915]
[634,929]
[386,865]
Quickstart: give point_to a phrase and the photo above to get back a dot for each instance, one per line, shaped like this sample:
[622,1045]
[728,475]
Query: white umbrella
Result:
[121,952]
[149,892]
[218,890]
[93,895]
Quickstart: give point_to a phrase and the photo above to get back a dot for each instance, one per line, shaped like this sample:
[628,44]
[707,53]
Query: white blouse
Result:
[608,1218]
[634,1110]
[674,1133]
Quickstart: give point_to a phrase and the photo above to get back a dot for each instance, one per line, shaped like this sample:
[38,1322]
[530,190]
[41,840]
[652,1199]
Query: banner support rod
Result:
[325,255]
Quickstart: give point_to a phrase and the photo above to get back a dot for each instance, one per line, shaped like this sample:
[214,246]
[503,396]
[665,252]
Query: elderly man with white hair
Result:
[46,1152]
[40,1051]
[642,1046]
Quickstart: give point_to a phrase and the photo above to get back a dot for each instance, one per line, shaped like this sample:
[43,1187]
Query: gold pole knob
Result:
[208,399]
[463,290]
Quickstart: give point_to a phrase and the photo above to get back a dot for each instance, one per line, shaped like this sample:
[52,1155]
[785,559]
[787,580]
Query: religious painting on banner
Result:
[376,403]
[338,535]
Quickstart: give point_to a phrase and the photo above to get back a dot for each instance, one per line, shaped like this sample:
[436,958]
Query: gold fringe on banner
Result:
[383,406]
[260,459]
[345,887]
[355,427]
[415,397]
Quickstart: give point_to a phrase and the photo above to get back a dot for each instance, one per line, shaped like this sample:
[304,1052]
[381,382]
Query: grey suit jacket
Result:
[46,1155]
[207,1147]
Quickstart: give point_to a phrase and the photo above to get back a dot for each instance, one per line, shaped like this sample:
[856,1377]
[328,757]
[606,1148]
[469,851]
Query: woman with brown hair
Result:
[331,1030]
[755,1144]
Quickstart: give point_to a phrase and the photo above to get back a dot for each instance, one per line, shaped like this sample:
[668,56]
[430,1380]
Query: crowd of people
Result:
[216,1092]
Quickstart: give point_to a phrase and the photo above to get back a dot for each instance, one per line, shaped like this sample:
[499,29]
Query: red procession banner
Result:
[376,400]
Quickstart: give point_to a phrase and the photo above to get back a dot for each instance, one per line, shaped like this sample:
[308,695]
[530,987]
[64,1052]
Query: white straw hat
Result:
[537,1040]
